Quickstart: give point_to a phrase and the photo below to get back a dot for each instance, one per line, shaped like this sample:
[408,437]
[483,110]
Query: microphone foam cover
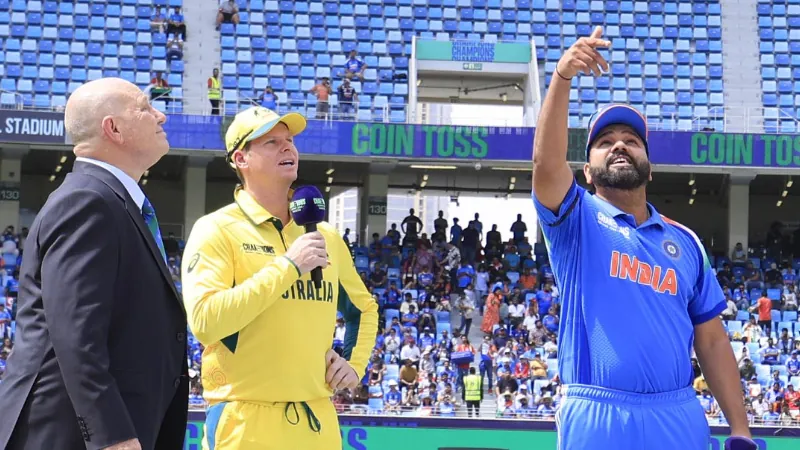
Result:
[307,205]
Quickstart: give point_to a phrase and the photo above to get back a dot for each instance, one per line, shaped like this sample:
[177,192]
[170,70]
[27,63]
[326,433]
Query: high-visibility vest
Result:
[213,91]
[472,388]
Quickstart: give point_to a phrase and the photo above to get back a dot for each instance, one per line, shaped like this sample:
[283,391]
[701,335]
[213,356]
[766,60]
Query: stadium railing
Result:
[718,118]
[489,412]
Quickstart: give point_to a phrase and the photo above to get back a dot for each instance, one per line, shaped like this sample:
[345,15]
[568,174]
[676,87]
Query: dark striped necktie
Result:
[152,224]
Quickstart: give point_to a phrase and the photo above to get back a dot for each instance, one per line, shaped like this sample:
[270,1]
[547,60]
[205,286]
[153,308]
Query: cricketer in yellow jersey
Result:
[268,368]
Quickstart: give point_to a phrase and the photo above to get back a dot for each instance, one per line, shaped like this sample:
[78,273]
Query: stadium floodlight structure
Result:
[475,72]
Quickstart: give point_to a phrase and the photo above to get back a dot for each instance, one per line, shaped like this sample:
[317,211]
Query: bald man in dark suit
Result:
[100,354]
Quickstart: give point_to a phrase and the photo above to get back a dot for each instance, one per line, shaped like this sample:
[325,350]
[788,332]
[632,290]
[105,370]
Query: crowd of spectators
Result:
[432,288]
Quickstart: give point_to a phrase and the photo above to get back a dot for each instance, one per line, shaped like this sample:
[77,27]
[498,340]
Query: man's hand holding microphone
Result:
[308,252]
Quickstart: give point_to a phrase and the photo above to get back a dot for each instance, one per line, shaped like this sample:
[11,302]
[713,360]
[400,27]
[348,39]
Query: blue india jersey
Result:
[630,296]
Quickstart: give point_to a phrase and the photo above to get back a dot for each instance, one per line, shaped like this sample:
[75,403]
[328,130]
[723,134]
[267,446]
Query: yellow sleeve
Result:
[361,299]
[215,306]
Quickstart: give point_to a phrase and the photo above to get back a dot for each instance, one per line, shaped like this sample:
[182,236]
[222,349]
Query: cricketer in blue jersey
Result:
[637,290]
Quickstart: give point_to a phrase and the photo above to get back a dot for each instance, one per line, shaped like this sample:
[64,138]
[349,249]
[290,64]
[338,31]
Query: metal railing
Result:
[488,412]
[719,119]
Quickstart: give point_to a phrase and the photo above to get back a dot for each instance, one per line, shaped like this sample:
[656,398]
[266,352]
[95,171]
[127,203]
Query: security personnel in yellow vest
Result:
[214,92]
[473,392]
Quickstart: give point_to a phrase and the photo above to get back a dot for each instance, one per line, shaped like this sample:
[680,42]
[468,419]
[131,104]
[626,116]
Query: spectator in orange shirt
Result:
[527,281]
[792,399]
[522,370]
[322,91]
[764,308]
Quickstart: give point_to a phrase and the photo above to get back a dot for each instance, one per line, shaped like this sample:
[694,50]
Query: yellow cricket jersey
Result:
[266,329]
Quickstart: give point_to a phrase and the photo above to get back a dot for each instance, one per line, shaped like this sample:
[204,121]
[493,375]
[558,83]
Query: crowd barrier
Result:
[403,433]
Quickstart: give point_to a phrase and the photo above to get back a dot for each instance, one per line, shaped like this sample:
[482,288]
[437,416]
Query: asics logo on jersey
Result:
[631,268]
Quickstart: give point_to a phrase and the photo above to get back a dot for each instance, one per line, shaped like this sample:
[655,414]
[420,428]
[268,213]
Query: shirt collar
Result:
[613,211]
[250,207]
[130,185]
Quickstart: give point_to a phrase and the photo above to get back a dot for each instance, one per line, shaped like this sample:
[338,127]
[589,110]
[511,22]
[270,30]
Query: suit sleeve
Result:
[215,305]
[360,298]
[80,254]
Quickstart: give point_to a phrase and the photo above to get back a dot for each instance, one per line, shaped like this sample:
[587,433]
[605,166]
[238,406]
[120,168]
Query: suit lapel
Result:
[136,215]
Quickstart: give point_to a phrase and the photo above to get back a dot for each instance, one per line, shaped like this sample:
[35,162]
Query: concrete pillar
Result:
[738,211]
[194,204]
[10,187]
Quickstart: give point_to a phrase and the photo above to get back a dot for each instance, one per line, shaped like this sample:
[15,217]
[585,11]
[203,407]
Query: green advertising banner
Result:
[373,434]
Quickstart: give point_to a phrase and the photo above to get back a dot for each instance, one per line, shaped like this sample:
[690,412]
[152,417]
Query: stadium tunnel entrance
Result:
[721,208]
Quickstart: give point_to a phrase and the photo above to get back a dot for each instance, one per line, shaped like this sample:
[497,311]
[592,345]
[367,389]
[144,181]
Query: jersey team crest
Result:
[672,249]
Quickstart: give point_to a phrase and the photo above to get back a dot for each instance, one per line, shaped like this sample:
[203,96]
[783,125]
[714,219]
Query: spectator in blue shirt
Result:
[394,235]
[354,67]
[455,233]
[268,99]
[427,338]
[544,298]
[793,365]
[752,277]
[5,321]
[775,394]
[770,353]
[393,398]
[425,278]
[196,398]
[392,297]
[776,379]
[175,24]
[706,401]
[465,275]
[410,318]
[550,321]
[789,277]
[546,409]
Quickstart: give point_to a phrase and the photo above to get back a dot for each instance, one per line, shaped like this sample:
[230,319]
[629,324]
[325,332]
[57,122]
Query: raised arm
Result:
[552,176]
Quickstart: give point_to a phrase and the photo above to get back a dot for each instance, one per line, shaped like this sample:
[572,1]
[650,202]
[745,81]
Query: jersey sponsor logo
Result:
[672,249]
[630,268]
[611,224]
[193,262]
[258,248]
[305,290]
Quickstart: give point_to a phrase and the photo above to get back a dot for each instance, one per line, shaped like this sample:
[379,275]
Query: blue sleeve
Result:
[561,228]
[708,300]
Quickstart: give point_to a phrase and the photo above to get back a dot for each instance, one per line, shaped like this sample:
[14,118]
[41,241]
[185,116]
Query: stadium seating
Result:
[779,46]
[666,58]
[49,48]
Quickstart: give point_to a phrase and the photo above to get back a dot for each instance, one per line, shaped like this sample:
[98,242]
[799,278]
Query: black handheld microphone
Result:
[308,209]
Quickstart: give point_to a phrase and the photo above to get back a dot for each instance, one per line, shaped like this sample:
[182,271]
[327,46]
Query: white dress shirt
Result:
[128,183]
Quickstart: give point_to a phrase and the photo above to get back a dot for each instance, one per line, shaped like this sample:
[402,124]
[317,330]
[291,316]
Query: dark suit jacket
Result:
[100,354]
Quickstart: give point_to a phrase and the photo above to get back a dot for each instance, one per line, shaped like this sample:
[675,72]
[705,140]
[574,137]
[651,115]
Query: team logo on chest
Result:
[630,268]
[671,249]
